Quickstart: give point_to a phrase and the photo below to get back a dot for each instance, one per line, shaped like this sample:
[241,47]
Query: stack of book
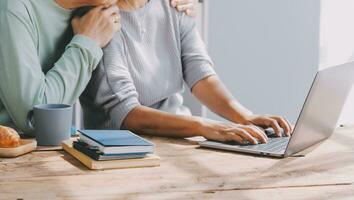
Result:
[107,149]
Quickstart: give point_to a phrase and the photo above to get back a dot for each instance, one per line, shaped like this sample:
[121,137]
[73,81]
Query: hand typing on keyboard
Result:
[278,124]
[271,133]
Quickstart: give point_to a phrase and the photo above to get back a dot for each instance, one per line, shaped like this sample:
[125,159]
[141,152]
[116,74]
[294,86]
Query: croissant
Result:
[8,137]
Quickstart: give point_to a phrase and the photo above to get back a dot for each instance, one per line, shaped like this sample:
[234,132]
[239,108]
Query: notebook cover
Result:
[150,160]
[97,155]
[113,138]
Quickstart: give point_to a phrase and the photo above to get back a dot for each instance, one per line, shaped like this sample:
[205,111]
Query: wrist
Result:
[245,119]
[242,118]
[84,42]
[89,36]
[88,39]
[197,126]
[238,113]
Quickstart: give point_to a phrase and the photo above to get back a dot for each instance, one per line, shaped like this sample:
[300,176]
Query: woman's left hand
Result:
[187,6]
[271,121]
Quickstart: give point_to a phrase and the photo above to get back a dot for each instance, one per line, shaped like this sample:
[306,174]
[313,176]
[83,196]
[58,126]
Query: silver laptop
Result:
[317,120]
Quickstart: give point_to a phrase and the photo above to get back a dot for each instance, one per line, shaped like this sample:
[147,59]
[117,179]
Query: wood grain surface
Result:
[188,172]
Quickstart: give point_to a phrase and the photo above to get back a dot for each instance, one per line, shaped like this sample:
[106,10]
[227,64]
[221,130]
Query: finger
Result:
[117,27]
[291,126]
[182,2]
[75,20]
[284,124]
[175,3]
[191,13]
[105,3]
[257,133]
[101,2]
[96,9]
[245,135]
[185,7]
[91,12]
[115,18]
[230,136]
[110,2]
[111,10]
[261,131]
[274,124]
[115,22]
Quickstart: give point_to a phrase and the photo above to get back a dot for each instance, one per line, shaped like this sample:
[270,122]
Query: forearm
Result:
[200,76]
[23,84]
[69,76]
[212,93]
[144,120]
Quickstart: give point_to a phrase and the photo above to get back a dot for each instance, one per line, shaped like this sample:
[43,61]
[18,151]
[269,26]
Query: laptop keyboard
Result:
[273,145]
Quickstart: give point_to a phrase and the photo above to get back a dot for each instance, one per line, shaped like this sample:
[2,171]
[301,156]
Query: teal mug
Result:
[51,123]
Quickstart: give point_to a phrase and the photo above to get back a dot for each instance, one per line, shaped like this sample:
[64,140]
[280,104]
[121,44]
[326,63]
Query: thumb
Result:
[75,21]
[75,24]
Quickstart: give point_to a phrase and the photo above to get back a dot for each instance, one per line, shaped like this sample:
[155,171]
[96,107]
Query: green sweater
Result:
[40,59]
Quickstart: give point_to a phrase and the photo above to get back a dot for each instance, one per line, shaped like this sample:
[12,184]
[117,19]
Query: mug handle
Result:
[30,121]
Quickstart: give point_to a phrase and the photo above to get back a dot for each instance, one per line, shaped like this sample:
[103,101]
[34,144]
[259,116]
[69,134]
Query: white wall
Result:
[337,42]
[266,52]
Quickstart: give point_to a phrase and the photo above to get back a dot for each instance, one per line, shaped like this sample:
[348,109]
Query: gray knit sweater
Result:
[146,63]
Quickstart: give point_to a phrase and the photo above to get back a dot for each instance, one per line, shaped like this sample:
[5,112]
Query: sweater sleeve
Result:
[195,59]
[116,92]
[23,84]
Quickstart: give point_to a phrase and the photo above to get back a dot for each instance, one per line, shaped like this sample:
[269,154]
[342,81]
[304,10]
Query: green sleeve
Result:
[22,81]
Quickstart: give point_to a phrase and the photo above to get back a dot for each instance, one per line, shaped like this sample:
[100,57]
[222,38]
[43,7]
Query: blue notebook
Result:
[116,141]
[95,154]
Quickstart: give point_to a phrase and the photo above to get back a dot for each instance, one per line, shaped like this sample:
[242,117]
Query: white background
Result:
[337,42]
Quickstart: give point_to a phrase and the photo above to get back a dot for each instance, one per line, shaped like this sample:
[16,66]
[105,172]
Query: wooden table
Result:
[188,172]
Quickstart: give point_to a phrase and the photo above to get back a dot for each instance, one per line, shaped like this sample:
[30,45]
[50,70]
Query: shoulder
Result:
[15,6]
[163,7]
[166,6]
[169,13]
[20,10]
[118,37]
[114,52]
[178,16]
[116,43]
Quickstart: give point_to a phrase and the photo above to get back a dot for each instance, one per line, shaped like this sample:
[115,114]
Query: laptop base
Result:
[274,148]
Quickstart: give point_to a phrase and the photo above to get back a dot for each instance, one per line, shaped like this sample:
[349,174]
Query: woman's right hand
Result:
[100,24]
[223,132]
